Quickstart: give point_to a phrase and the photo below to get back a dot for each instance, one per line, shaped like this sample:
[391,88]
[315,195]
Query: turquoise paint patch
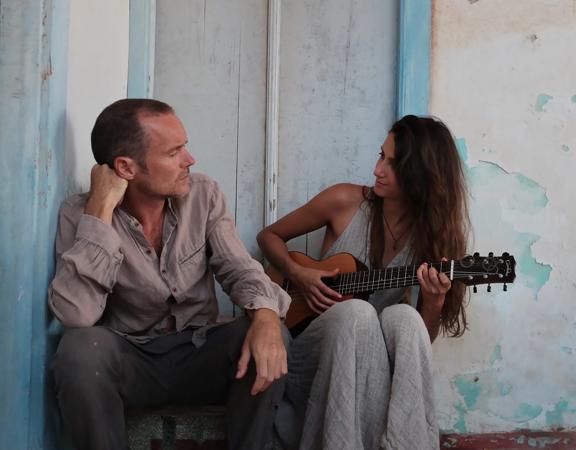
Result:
[567,350]
[541,101]
[469,389]
[535,274]
[574,99]
[460,425]
[518,191]
[555,418]
[496,354]
[462,148]
[495,190]
[504,388]
[565,148]
[526,412]
[530,197]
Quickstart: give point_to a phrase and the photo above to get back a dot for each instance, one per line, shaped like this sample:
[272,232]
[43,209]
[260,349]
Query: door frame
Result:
[412,82]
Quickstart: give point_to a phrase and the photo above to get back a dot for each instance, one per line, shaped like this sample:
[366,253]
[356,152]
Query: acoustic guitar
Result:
[356,281]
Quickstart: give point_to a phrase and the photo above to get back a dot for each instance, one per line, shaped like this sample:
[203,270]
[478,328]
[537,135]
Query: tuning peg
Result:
[491,254]
[505,255]
[476,255]
[505,287]
[475,289]
[489,288]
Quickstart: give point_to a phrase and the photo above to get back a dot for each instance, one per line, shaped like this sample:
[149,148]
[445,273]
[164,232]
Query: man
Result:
[136,258]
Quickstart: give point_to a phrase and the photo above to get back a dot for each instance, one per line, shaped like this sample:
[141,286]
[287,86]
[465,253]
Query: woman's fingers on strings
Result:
[320,302]
[329,294]
[311,303]
[445,281]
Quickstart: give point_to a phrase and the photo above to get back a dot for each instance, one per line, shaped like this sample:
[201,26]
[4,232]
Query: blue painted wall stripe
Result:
[142,42]
[33,51]
[414,45]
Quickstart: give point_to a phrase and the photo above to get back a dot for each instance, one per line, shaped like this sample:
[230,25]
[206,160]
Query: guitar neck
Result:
[379,279]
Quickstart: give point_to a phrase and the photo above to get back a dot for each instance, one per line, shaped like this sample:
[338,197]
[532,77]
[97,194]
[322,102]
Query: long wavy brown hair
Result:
[431,176]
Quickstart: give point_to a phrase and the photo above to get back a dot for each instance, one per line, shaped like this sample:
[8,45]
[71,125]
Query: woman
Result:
[360,373]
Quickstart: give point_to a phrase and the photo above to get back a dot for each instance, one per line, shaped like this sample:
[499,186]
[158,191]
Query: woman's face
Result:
[386,185]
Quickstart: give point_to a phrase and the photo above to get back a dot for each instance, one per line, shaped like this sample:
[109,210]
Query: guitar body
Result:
[299,311]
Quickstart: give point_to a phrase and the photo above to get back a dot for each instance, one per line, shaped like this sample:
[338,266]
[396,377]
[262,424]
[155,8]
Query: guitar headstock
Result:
[475,269]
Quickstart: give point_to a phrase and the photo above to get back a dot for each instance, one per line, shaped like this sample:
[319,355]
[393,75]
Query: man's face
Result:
[167,160]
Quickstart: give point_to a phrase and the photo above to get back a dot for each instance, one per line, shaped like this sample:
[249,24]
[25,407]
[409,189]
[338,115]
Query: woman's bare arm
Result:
[331,208]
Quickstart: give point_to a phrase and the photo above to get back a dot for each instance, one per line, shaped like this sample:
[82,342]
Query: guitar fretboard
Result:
[392,277]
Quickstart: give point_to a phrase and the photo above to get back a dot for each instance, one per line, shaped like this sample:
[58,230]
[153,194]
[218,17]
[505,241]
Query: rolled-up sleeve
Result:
[241,277]
[88,258]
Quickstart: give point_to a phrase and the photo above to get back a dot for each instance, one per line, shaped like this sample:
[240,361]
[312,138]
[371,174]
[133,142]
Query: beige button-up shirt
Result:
[110,275]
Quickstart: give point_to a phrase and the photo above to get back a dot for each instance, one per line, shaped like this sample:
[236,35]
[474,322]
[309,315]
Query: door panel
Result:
[337,66]
[337,94]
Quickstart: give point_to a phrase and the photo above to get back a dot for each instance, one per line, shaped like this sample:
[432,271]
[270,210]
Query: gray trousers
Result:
[360,380]
[98,374]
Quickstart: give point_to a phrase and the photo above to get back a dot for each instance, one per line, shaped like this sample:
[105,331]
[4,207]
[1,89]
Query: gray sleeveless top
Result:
[354,240]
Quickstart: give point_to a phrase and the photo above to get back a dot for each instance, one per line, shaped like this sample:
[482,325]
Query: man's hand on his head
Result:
[264,343]
[106,192]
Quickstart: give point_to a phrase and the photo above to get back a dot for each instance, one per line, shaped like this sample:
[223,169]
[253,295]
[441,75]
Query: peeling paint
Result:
[541,101]
[496,354]
[505,388]
[526,412]
[460,425]
[574,99]
[542,442]
[535,274]
[525,194]
[469,389]
[567,350]
[555,417]
[565,148]
[515,192]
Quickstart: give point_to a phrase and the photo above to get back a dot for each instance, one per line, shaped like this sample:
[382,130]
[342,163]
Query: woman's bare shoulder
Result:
[344,195]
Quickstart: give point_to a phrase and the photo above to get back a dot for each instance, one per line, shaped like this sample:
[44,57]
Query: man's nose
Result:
[189,159]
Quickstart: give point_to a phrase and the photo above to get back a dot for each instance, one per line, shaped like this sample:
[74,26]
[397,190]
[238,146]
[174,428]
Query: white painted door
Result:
[337,80]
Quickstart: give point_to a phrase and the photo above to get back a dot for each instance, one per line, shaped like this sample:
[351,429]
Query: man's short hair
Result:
[118,132]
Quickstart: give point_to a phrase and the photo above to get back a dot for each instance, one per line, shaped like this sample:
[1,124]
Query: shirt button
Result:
[174,289]
[163,272]
[148,251]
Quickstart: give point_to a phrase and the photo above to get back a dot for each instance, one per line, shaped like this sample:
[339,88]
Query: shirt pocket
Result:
[193,256]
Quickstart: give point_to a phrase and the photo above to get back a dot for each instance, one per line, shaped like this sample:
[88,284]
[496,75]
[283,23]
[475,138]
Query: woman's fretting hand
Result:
[433,284]
[309,284]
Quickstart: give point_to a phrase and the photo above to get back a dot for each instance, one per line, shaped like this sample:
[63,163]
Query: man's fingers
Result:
[243,361]
[261,375]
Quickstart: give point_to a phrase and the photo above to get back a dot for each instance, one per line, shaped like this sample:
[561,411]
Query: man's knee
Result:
[84,354]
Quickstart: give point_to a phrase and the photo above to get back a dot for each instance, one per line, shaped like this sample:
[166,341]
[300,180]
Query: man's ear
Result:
[125,167]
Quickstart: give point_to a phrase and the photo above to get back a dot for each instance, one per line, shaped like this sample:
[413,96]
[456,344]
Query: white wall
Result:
[97,76]
[504,80]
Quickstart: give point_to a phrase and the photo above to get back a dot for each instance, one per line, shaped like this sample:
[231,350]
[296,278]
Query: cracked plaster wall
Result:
[503,78]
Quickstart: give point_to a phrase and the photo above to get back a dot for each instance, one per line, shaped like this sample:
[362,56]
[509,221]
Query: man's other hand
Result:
[264,343]
[106,192]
